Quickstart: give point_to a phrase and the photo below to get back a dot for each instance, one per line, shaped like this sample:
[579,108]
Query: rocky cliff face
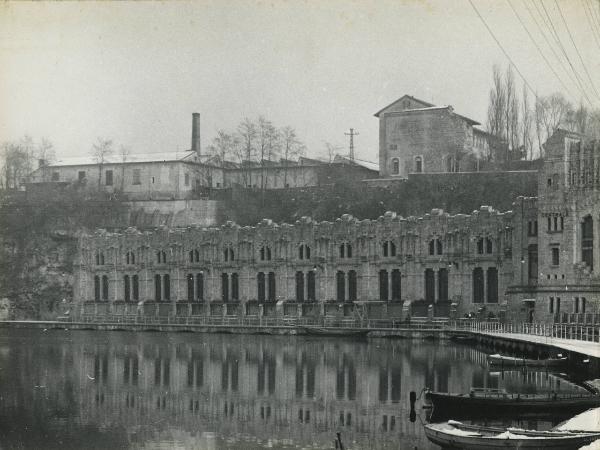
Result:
[38,245]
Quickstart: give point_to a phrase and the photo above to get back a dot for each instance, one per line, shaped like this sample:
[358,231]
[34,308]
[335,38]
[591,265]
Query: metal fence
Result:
[262,321]
[575,331]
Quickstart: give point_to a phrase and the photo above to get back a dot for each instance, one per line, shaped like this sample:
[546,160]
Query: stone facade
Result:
[418,137]
[485,263]
[560,277]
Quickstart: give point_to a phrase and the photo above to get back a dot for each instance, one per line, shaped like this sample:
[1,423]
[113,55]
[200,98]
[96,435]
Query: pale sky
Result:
[135,72]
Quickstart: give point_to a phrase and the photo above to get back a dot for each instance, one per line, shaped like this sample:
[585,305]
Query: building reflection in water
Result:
[200,391]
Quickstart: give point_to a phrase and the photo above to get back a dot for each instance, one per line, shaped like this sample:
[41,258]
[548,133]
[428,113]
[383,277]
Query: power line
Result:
[562,48]
[503,51]
[556,55]
[591,18]
[539,50]
[576,49]
[595,14]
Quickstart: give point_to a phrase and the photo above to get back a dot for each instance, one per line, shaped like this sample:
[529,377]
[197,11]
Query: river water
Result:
[117,390]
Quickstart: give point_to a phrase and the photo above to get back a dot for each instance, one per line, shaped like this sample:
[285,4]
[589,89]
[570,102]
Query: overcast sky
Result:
[134,72]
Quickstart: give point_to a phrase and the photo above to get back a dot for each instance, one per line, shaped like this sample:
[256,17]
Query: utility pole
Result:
[352,134]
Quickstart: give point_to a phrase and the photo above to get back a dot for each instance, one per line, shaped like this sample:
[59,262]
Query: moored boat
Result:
[454,434]
[511,361]
[499,401]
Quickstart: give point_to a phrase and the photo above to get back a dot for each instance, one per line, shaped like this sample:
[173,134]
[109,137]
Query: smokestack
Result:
[196,133]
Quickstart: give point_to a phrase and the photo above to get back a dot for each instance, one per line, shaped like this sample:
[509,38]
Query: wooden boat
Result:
[454,434]
[499,401]
[510,361]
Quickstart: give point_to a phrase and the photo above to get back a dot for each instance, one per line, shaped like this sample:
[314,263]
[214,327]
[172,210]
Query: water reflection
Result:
[122,390]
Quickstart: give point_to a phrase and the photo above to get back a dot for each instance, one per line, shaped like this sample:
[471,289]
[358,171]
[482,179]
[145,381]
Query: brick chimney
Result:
[196,133]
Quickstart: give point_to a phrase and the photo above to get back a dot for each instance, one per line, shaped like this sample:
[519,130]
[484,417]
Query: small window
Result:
[137,177]
[555,256]
[108,177]
[81,175]
[55,176]
[393,147]
[186,179]
[152,180]
[489,246]
[395,166]
[549,182]
[480,246]
[418,164]
[551,305]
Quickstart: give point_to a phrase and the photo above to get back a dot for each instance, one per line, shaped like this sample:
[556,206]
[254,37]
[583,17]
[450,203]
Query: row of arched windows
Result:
[306,286]
[480,293]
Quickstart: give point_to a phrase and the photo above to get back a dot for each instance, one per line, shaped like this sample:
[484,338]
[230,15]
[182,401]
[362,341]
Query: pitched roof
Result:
[427,104]
[434,108]
[118,159]
[357,162]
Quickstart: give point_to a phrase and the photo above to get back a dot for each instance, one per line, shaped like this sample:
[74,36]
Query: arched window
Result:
[489,246]
[345,250]
[104,287]
[191,255]
[127,288]
[265,253]
[260,285]
[429,286]
[235,288]
[341,286]
[587,241]
[443,285]
[299,286]
[436,247]
[130,258]
[480,246]
[383,285]
[99,258]
[167,286]
[352,286]
[157,288]
[200,286]
[395,166]
[272,288]
[418,164]
[312,291]
[96,288]
[161,257]
[396,285]
[196,256]
[303,251]
[389,249]
[135,282]
[225,287]
[492,285]
[478,285]
[190,287]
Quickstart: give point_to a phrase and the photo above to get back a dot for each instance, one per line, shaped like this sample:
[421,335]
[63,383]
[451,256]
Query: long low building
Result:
[533,263]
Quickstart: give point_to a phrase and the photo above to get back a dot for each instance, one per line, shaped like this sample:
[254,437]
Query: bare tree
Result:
[526,125]
[330,151]
[124,152]
[291,147]
[247,133]
[101,150]
[496,107]
[224,146]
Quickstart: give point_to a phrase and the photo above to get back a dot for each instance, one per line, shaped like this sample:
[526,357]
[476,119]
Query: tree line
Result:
[522,124]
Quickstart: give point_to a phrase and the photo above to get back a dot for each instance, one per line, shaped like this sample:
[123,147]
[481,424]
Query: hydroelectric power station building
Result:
[538,262]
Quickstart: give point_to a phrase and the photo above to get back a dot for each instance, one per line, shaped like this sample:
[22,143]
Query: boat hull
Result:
[461,406]
[326,331]
[446,439]
[498,360]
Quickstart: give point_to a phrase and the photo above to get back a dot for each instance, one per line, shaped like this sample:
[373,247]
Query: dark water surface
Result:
[117,390]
